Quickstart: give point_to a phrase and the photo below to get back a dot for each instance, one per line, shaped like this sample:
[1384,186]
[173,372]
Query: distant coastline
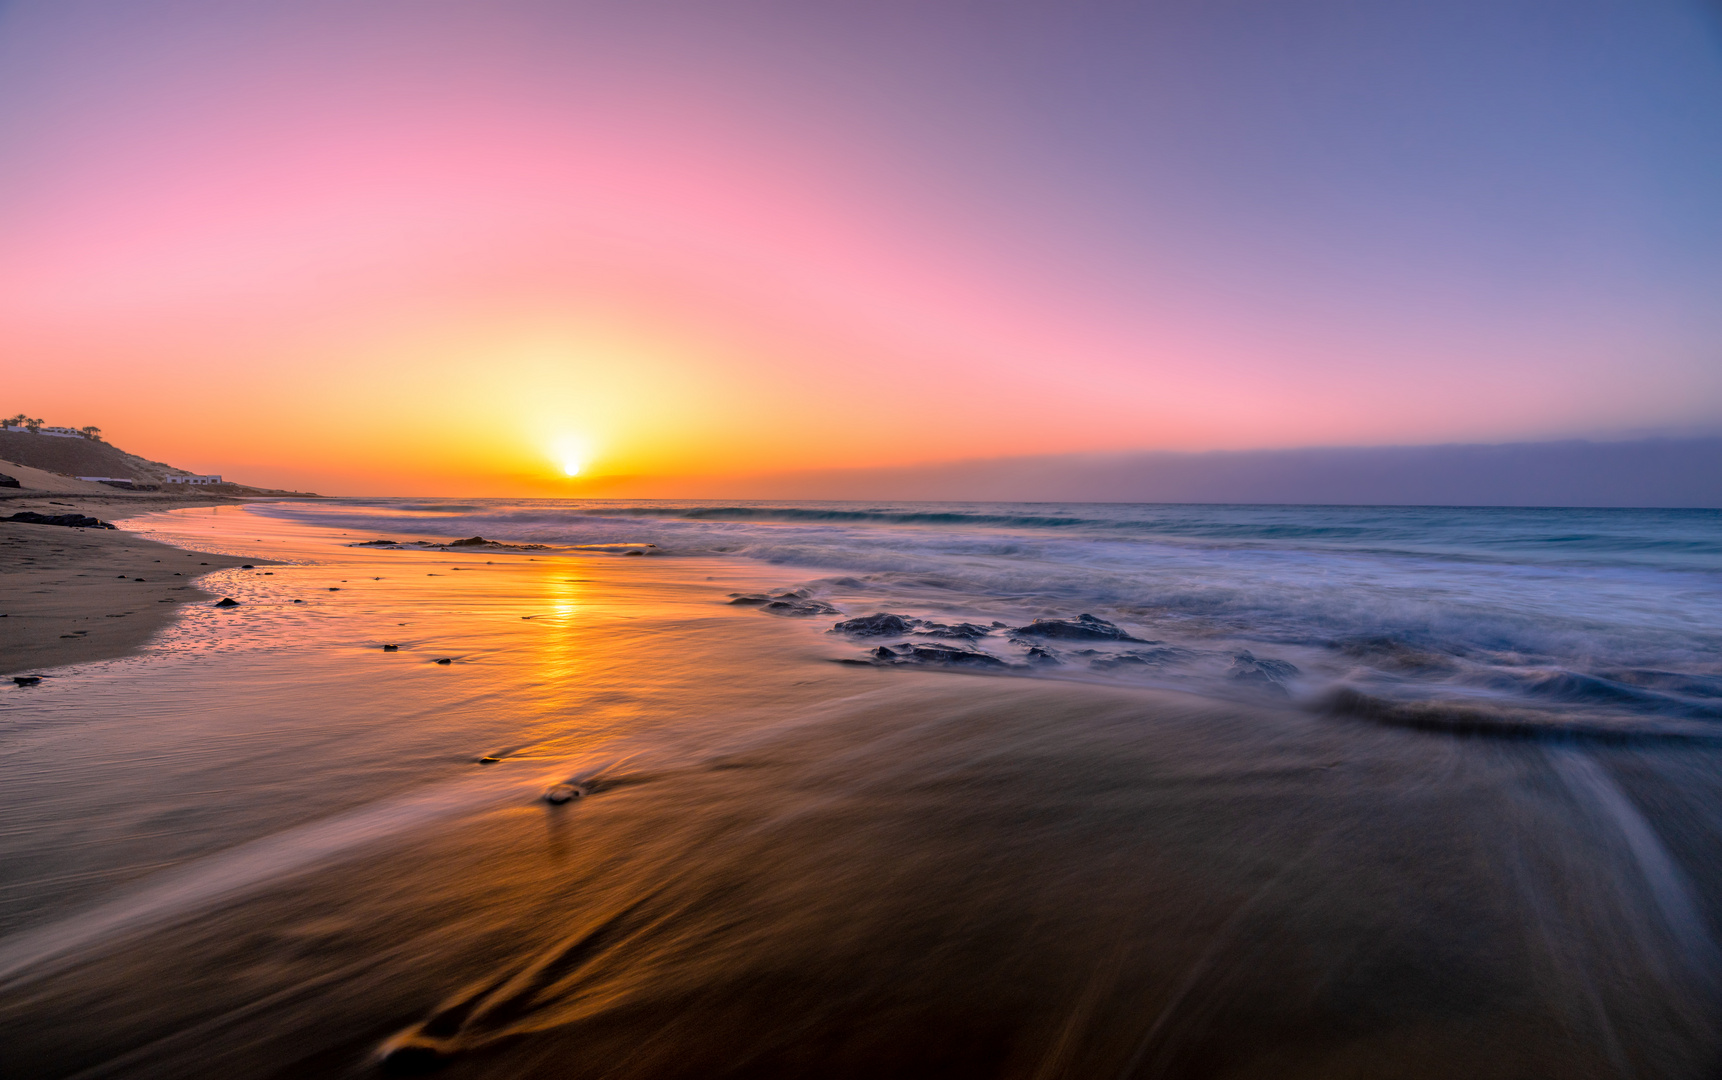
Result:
[74,462]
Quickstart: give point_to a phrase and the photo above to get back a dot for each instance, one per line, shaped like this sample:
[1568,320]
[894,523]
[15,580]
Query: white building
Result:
[191,479]
[57,432]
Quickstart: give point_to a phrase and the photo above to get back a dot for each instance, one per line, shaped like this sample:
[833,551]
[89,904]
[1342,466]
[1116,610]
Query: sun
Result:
[572,453]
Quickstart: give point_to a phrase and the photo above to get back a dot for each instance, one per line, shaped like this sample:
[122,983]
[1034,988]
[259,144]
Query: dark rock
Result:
[962,631]
[885,652]
[26,680]
[880,625]
[489,759]
[376,543]
[74,521]
[1393,654]
[7,481]
[471,541]
[298,601]
[750,601]
[1135,658]
[1038,655]
[636,551]
[949,654]
[1279,669]
[445,661]
[562,793]
[391,648]
[248,566]
[334,588]
[800,608]
[1081,628]
[1263,674]
[226,601]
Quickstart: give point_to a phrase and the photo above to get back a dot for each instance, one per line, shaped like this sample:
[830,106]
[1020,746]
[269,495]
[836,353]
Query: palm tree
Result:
[92,433]
[32,424]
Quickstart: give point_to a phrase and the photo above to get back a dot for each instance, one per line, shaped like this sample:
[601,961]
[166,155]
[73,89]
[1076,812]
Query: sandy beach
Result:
[270,845]
[72,595]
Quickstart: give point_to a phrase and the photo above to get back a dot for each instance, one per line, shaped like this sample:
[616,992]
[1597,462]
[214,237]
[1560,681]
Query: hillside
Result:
[86,457]
[80,457]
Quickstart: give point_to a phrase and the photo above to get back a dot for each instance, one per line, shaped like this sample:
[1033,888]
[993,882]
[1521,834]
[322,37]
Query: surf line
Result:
[232,874]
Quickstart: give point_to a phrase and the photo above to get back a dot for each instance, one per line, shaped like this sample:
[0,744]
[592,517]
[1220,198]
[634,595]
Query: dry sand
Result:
[71,595]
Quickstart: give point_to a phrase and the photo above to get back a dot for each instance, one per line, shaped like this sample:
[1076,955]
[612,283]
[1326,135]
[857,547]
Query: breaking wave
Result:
[1565,619]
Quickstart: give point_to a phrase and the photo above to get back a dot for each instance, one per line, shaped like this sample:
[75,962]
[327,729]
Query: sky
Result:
[433,247]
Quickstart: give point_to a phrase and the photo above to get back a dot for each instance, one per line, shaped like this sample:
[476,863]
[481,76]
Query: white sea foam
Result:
[1588,616]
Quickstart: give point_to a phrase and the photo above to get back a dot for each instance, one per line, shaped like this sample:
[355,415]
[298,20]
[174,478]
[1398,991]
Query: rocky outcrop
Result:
[880,625]
[1081,628]
[796,604]
[75,521]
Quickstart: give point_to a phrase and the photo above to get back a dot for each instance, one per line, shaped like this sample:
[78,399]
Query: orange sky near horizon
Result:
[437,249]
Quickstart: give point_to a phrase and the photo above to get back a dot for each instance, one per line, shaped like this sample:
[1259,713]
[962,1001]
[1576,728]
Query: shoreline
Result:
[72,596]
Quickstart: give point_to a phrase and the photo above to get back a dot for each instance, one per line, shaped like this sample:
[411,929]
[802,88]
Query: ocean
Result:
[927,790]
[1589,621]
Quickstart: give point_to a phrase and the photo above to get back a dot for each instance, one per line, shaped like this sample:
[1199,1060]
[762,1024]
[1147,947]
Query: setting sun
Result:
[571,452]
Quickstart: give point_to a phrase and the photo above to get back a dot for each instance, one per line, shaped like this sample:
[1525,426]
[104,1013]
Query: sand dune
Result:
[42,480]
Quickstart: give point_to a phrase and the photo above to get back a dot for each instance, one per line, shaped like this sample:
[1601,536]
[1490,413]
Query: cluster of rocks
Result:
[797,603]
[958,649]
[9,481]
[75,521]
[469,542]
[1082,628]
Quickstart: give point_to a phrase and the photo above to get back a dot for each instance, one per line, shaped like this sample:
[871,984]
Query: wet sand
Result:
[75,595]
[292,854]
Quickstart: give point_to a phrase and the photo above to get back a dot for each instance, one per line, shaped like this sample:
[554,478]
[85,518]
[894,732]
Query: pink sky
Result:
[435,248]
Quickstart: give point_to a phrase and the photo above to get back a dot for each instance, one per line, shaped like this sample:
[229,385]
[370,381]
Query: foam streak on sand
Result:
[230,875]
